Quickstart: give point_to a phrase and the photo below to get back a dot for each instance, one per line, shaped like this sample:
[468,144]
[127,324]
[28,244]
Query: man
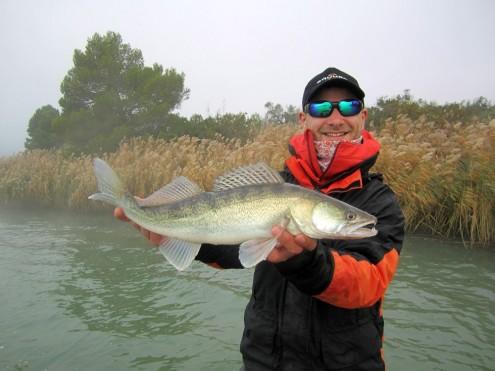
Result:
[316,304]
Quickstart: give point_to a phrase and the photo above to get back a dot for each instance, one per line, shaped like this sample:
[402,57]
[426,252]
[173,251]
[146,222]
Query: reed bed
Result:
[51,178]
[443,174]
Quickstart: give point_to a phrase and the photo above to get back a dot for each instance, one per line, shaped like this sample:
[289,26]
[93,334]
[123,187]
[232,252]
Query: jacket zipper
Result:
[280,322]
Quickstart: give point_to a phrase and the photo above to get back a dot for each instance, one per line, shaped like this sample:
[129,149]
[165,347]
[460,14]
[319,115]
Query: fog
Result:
[236,56]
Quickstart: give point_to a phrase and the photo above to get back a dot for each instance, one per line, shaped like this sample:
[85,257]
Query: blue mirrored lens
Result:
[320,109]
[348,107]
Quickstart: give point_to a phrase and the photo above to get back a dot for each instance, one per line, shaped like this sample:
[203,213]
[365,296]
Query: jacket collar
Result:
[344,172]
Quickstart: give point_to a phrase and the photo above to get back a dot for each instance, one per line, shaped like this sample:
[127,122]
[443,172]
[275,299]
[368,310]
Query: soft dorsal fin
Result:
[179,189]
[259,173]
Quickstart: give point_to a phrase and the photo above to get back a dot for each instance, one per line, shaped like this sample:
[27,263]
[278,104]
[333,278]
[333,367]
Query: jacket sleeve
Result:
[353,273]
[220,256]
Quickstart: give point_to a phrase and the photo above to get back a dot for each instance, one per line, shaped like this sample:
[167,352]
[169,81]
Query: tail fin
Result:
[111,190]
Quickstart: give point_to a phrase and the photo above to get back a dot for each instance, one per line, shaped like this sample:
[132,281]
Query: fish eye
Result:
[350,216]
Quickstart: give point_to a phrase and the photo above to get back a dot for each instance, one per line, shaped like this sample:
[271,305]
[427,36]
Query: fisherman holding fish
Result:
[323,264]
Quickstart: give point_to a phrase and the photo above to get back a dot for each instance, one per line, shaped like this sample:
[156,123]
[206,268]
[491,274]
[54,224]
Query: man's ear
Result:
[364,112]
[302,120]
[364,116]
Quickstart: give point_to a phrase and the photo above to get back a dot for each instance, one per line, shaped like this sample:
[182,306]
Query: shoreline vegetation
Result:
[442,173]
[438,158]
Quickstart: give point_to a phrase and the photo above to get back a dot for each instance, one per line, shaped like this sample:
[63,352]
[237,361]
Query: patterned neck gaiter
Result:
[325,150]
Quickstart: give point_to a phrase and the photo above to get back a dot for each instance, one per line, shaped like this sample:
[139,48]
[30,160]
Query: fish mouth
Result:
[362,230]
[365,232]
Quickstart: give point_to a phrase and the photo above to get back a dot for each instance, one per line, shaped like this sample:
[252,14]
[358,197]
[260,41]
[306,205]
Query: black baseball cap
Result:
[331,77]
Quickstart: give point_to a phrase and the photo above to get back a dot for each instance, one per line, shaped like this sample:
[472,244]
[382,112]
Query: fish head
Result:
[336,219]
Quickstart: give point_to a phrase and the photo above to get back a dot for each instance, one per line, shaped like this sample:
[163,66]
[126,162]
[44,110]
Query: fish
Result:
[242,208]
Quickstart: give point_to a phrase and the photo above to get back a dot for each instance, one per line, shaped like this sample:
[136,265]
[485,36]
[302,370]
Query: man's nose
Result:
[335,117]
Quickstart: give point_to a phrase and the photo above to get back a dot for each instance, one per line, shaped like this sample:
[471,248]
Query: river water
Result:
[85,292]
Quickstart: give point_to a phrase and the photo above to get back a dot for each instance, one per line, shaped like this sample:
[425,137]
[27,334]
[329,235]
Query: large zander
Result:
[242,209]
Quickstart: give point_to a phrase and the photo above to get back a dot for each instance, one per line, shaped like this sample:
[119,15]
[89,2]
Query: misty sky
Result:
[237,55]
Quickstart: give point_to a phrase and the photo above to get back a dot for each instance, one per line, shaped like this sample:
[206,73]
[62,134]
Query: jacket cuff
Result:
[311,271]
[220,256]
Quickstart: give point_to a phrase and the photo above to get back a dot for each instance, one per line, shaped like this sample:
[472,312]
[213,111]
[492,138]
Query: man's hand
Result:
[289,245]
[154,238]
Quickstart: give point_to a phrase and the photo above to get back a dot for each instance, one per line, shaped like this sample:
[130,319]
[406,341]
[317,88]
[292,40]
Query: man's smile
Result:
[334,134]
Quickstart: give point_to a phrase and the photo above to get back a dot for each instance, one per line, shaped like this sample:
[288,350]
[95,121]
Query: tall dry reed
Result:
[50,178]
[443,174]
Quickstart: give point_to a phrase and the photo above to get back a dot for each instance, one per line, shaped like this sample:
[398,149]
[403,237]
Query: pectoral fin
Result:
[253,251]
[179,253]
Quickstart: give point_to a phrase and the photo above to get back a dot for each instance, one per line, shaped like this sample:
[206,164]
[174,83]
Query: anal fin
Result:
[179,253]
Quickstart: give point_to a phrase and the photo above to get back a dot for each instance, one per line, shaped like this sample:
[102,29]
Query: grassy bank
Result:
[443,174]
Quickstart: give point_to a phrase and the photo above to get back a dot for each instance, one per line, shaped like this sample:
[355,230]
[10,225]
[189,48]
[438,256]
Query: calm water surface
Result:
[80,292]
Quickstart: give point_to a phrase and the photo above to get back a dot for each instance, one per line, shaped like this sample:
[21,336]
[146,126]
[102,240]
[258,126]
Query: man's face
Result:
[334,127]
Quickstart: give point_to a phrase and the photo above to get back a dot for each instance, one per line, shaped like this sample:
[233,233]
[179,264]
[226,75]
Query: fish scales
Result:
[226,217]
[242,210]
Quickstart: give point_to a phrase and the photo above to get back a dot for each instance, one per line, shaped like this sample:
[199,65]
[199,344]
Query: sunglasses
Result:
[346,107]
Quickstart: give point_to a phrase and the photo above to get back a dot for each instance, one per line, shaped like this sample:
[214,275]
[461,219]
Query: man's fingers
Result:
[279,254]
[118,212]
[156,239]
[145,233]
[305,241]
[295,244]
[287,240]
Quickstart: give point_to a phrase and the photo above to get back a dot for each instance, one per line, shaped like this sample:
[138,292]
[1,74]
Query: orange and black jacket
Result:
[321,310]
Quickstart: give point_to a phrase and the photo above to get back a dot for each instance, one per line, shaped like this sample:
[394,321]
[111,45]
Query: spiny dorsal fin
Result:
[259,173]
[179,189]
